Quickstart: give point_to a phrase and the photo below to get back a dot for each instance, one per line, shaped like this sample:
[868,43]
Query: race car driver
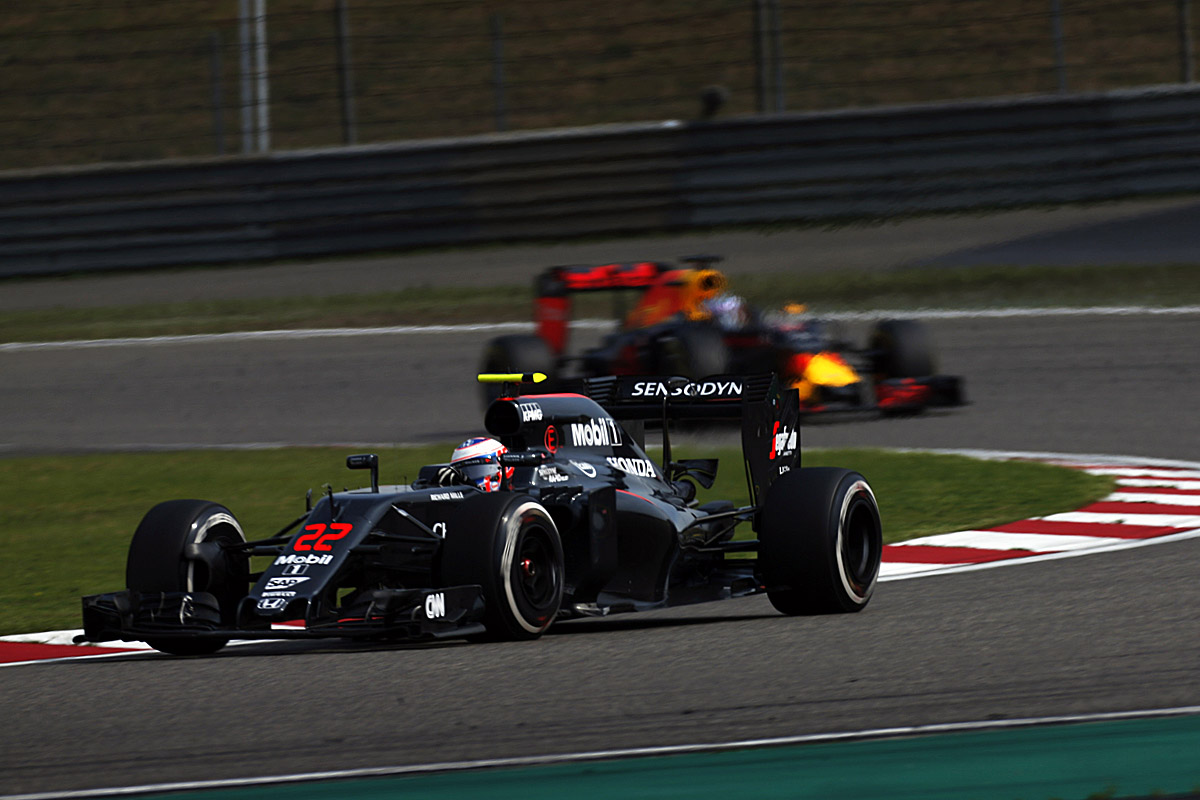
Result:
[476,462]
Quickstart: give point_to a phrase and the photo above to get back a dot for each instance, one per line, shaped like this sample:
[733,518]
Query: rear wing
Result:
[555,285]
[769,414]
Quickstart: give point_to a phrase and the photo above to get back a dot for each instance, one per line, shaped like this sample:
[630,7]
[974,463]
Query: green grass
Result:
[983,287]
[69,518]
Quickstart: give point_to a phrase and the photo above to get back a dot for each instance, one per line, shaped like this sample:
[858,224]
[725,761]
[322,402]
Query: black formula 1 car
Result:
[583,523]
[685,323]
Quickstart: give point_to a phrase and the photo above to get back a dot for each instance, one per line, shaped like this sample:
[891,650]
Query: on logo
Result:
[435,605]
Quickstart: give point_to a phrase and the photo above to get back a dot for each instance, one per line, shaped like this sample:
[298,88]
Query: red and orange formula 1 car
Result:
[685,322]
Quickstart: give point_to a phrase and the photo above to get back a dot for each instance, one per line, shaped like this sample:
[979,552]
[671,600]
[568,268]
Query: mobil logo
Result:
[603,432]
[308,560]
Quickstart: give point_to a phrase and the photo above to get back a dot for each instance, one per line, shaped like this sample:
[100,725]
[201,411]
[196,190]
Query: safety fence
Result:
[850,164]
[89,81]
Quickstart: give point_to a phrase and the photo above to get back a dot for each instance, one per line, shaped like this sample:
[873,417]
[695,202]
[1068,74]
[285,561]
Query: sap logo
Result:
[530,412]
[633,466]
[783,441]
[283,583]
[551,475]
[271,604]
[447,496]
[584,467]
[704,389]
[435,605]
[440,529]
[596,433]
[293,559]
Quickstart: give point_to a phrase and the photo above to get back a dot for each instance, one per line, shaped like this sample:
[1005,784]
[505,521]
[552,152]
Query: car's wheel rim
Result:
[859,545]
[535,571]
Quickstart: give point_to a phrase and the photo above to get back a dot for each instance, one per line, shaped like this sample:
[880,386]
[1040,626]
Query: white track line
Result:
[503,327]
[1105,518]
[1134,472]
[607,755]
[1164,483]
[999,540]
[1150,497]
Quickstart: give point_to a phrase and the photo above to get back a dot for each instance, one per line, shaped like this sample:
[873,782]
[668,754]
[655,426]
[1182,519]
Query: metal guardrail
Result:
[858,163]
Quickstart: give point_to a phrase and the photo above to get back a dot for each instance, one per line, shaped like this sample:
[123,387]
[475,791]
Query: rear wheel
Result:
[509,545]
[821,541]
[162,558]
[518,353]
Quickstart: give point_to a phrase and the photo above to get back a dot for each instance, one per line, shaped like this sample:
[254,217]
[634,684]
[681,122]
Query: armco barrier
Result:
[621,178]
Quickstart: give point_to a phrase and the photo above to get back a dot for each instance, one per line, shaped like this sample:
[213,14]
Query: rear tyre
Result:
[821,542]
[693,351]
[902,349]
[509,545]
[518,353]
[157,563]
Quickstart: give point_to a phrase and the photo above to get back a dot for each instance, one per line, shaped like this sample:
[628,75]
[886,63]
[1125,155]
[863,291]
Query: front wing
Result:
[890,396]
[409,614]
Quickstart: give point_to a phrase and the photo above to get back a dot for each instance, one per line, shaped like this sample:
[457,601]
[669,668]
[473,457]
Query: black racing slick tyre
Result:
[693,351]
[820,542]
[163,558]
[902,349]
[509,545]
[517,353]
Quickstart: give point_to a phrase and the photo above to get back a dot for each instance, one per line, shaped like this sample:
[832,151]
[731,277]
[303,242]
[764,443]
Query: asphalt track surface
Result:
[1106,632]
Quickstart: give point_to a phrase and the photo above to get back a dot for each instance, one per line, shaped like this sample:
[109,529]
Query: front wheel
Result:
[178,547]
[693,350]
[509,545]
[821,541]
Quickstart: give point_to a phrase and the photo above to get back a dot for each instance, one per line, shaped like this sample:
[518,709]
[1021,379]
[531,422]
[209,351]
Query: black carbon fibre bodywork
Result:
[368,563]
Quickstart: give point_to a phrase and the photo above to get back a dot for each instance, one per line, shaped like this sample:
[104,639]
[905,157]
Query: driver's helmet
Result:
[728,311]
[478,460]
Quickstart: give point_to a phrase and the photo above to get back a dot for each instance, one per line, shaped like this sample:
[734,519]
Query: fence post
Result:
[218,95]
[244,47]
[1060,58]
[1186,55]
[262,99]
[345,73]
[498,71]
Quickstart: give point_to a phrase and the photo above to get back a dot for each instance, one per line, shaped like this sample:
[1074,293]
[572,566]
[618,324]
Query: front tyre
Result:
[177,547]
[821,542]
[694,351]
[509,545]
[902,349]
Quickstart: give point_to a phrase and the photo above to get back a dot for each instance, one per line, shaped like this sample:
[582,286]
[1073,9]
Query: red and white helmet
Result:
[478,459]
